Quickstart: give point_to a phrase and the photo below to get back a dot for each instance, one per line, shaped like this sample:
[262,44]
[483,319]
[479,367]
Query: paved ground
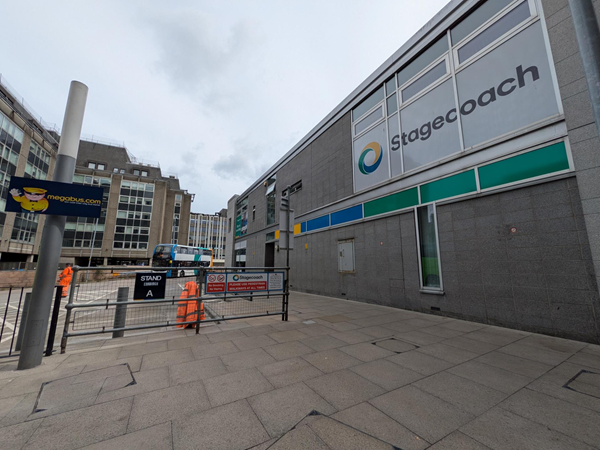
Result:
[378,377]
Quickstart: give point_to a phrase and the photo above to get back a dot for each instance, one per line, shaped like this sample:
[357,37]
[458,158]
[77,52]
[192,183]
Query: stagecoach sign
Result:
[219,283]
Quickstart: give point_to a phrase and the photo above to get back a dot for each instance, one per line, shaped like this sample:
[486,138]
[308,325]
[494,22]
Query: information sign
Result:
[219,283]
[149,285]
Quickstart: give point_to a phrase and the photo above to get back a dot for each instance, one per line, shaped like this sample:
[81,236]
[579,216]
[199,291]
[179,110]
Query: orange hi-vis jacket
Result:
[188,311]
[65,280]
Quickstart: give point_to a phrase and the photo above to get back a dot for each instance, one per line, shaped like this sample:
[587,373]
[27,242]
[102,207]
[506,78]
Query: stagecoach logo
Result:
[376,149]
[236,278]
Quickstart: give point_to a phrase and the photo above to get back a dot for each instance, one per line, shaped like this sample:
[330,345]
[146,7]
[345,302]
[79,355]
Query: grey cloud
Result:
[196,55]
[245,163]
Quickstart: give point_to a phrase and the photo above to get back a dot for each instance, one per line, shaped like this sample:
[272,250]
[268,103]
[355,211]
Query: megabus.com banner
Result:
[28,195]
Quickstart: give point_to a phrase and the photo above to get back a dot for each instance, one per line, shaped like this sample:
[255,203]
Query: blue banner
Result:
[28,195]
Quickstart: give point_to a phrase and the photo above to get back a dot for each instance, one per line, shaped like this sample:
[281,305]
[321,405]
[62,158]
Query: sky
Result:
[213,91]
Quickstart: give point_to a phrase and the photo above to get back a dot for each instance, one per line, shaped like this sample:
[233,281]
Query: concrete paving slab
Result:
[553,343]
[535,353]
[458,441]
[300,438]
[288,350]
[134,363]
[247,359]
[168,358]
[351,337]
[187,342]
[21,411]
[420,362]
[166,335]
[82,427]
[331,360]
[366,351]
[588,360]
[448,353]
[441,331]
[400,327]
[462,325]
[153,408]
[386,374]
[574,421]
[465,394]
[419,337]
[288,326]
[493,335]
[279,410]
[515,364]
[249,343]
[94,357]
[225,336]
[321,343]
[316,330]
[289,371]
[258,330]
[490,376]
[344,388]
[56,395]
[212,350]
[233,325]
[264,446]
[157,437]
[111,371]
[424,414]
[6,404]
[368,419]
[14,437]
[471,345]
[287,336]
[149,380]
[196,370]
[377,331]
[31,383]
[336,318]
[343,326]
[395,345]
[499,429]
[233,426]
[338,436]
[118,382]
[236,386]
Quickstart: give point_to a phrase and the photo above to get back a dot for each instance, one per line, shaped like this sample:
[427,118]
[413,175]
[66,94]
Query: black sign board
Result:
[28,195]
[150,285]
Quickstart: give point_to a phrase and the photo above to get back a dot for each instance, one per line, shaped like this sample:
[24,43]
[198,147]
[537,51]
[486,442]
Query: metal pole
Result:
[63,341]
[120,312]
[16,321]
[588,38]
[52,236]
[287,255]
[5,312]
[92,249]
[23,319]
[54,321]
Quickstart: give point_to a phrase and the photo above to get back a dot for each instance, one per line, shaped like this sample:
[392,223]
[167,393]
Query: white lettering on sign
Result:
[149,294]
[151,277]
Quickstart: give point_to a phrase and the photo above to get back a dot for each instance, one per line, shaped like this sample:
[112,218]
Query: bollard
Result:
[23,321]
[54,321]
[121,312]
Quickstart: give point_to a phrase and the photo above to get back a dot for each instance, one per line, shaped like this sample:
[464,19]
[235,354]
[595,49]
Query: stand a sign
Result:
[220,283]
[150,285]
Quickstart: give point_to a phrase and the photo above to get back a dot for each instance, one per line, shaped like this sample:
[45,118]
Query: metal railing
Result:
[101,300]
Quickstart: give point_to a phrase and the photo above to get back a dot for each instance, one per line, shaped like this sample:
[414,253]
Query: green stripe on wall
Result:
[393,202]
[461,183]
[528,165]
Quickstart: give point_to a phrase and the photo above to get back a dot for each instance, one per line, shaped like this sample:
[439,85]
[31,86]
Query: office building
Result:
[461,178]
[208,231]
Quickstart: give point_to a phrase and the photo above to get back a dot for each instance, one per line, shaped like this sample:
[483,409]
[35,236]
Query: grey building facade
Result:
[209,231]
[462,178]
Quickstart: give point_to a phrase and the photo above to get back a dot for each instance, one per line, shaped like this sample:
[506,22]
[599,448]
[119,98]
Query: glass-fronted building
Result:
[461,178]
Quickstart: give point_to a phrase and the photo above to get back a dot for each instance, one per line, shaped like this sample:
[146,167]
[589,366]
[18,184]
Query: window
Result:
[241,218]
[436,50]
[427,235]
[101,167]
[144,173]
[178,197]
[134,212]
[122,171]
[346,256]
[494,31]
[367,104]
[91,165]
[368,121]
[425,80]
[271,208]
[478,17]
[136,172]
[253,213]
[229,226]
[115,170]
[293,188]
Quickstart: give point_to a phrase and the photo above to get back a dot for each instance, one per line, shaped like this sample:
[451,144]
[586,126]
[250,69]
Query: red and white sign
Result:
[244,282]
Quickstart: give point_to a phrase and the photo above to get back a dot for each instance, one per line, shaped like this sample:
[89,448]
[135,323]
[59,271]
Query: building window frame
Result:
[432,288]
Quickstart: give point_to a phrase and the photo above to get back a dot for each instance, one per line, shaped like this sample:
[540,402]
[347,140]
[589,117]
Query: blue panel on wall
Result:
[303,227]
[319,222]
[347,215]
